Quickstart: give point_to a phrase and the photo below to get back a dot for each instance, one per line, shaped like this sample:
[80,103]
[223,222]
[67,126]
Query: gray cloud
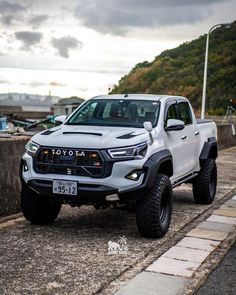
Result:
[28,38]
[37,20]
[10,11]
[35,84]
[119,16]
[65,44]
[57,84]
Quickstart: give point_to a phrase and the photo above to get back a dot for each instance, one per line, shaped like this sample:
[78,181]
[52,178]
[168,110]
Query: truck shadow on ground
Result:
[88,219]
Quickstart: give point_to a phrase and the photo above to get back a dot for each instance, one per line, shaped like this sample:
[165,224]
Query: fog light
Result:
[134,175]
[25,167]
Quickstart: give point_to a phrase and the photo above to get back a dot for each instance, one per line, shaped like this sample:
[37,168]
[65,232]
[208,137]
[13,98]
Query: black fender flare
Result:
[209,150]
[152,166]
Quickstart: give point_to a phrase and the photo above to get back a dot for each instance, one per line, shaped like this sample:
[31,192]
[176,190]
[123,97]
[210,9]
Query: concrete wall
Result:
[12,149]
[225,136]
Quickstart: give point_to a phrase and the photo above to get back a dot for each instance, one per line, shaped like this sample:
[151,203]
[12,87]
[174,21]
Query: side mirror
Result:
[148,127]
[174,125]
[60,119]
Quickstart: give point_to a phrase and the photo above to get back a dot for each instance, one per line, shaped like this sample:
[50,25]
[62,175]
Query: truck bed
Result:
[207,129]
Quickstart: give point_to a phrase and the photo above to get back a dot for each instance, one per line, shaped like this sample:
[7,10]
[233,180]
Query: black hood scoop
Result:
[83,133]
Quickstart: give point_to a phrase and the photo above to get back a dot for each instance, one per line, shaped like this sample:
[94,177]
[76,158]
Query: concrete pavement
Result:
[171,273]
[71,256]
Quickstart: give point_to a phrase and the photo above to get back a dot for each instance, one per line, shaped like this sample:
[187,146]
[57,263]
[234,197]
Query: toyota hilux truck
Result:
[121,151]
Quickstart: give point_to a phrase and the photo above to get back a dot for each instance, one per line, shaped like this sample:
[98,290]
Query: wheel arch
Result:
[159,162]
[209,150]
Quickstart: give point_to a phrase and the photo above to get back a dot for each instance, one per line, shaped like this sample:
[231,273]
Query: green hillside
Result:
[179,71]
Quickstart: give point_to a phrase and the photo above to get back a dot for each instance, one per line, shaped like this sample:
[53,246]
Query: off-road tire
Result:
[153,211]
[204,185]
[38,209]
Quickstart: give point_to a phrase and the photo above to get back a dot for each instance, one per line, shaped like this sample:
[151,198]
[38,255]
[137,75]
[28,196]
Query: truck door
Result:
[190,138]
[174,141]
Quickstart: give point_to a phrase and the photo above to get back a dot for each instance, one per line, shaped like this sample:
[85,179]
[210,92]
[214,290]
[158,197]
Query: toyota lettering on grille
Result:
[71,153]
[69,161]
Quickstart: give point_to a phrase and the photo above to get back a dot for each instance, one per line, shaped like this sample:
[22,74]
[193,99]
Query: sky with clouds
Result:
[81,47]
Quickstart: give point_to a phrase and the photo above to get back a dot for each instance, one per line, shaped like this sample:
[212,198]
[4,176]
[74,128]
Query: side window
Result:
[184,112]
[171,113]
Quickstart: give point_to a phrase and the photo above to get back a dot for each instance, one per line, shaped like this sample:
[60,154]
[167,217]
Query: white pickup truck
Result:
[121,150]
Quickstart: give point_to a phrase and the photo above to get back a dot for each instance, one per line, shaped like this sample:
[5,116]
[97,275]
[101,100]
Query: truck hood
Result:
[90,137]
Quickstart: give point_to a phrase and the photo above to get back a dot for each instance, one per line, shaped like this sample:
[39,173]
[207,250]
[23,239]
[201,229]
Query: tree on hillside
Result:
[179,71]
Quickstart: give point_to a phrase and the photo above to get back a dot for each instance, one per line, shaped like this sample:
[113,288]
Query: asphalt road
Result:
[223,279]
[71,256]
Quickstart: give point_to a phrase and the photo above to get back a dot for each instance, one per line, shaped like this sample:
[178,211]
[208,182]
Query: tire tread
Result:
[201,189]
[147,210]
[38,209]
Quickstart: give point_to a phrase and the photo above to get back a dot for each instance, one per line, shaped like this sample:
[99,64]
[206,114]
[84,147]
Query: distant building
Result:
[24,112]
[9,110]
[66,106]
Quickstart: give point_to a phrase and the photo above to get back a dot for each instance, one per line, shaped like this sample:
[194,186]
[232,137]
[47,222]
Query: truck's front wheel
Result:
[153,211]
[38,209]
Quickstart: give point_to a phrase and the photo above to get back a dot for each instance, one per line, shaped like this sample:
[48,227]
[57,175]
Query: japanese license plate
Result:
[64,187]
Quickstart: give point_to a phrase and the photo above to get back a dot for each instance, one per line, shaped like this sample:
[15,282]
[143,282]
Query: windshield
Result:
[114,112]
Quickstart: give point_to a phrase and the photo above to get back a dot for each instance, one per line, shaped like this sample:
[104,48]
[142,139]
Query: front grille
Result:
[69,162]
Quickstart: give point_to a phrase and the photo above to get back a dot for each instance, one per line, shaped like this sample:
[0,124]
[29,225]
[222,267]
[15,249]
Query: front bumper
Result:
[86,195]
[90,190]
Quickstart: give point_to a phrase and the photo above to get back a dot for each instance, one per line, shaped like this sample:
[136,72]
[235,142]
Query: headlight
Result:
[31,148]
[131,152]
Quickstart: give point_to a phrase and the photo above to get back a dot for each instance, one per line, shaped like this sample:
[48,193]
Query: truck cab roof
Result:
[139,97]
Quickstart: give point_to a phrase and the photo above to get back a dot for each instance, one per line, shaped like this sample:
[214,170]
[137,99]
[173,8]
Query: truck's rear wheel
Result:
[153,211]
[38,209]
[204,185]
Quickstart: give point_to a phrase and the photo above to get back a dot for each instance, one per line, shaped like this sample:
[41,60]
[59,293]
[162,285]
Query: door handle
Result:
[184,137]
[196,133]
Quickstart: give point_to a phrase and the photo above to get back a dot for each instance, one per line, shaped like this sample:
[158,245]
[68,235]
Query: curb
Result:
[10,217]
[184,267]
[10,220]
